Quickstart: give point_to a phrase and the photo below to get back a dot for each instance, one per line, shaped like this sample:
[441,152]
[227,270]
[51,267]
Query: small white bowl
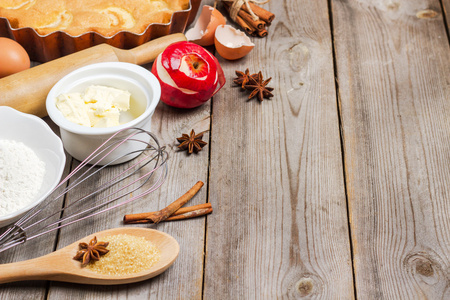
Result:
[37,135]
[80,141]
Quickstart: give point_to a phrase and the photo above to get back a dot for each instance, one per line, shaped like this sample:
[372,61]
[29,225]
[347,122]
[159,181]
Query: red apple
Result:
[189,75]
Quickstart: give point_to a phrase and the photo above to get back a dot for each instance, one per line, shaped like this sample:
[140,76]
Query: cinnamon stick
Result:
[262,33]
[180,214]
[174,206]
[258,24]
[191,214]
[246,18]
[262,13]
[188,215]
[247,28]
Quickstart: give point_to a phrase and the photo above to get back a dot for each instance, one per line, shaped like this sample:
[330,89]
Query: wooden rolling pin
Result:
[27,91]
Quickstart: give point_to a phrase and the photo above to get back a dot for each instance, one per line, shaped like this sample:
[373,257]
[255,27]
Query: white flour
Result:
[21,176]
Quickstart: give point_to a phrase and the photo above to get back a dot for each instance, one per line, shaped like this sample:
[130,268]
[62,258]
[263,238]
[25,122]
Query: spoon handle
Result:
[33,269]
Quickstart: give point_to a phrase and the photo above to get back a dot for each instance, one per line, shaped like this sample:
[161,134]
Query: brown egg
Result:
[13,57]
[203,31]
[232,43]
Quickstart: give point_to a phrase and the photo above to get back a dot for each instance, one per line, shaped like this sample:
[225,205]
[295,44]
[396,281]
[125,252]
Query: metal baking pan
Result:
[43,48]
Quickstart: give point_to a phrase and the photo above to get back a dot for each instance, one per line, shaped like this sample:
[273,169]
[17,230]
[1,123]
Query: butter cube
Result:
[103,96]
[98,106]
[73,108]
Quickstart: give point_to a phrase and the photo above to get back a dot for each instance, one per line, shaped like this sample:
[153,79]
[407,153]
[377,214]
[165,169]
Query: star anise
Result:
[243,77]
[192,142]
[258,88]
[91,251]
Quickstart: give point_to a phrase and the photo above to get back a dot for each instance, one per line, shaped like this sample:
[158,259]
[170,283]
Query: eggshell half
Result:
[232,43]
[203,31]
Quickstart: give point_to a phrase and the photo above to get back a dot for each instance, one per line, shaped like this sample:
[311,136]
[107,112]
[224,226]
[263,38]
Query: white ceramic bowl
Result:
[80,141]
[37,135]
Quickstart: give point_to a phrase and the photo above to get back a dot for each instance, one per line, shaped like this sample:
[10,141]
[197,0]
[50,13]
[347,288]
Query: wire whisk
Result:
[144,174]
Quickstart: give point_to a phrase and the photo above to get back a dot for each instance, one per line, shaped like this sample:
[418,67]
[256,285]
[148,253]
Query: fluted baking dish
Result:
[43,48]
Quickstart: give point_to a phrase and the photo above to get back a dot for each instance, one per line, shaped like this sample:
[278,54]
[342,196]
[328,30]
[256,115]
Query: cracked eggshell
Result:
[232,43]
[203,31]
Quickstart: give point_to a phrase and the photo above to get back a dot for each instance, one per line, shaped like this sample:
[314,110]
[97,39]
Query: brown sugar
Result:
[127,254]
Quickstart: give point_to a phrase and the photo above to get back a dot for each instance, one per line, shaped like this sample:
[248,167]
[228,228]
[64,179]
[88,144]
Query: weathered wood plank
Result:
[393,67]
[184,279]
[280,225]
[446,12]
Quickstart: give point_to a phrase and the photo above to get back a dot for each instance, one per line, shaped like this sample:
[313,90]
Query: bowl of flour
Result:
[32,161]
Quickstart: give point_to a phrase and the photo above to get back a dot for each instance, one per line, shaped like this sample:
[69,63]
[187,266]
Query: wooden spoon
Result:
[60,265]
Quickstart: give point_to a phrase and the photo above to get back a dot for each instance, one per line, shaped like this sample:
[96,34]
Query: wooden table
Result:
[338,187]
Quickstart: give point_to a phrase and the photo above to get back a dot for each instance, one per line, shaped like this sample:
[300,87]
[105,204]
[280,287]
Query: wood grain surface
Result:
[393,67]
[336,188]
[280,226]
[446,13]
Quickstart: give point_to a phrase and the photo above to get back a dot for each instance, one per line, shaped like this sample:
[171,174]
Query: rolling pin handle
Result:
[148,52]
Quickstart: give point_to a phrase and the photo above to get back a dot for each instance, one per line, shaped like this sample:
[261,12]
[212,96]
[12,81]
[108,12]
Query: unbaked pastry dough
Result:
[76,17]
